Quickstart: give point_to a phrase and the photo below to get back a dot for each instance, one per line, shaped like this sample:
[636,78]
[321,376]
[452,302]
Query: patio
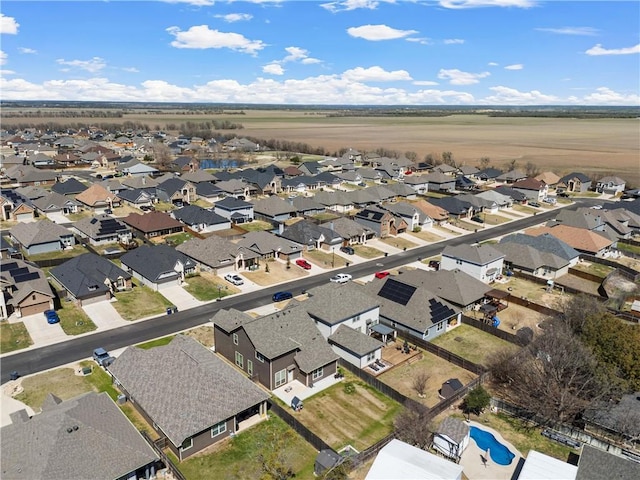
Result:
[297,389]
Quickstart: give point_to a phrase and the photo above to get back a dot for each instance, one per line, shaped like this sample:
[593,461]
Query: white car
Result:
[341,278]
[233,278]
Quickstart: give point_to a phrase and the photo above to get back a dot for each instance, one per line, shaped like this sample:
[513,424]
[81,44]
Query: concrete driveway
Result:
[40,331]
[58,217]
[104,315]
[180,297]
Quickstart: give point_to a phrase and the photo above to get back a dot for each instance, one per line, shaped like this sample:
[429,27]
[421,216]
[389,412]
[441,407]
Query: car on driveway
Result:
[233,278]
[51,316]
[341,278]
[348,250]
[301,262]
[534,204]
[477,218]
[381,274]
[435,264]
[102,357]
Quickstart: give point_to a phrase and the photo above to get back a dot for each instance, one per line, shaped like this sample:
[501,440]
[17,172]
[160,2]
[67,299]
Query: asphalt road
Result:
[44,358]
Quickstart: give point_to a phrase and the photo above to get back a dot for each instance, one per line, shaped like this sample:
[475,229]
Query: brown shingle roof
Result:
[96,194]
[578,238]
[151,222]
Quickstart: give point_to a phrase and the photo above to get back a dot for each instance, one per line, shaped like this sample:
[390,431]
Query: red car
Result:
[381,274]
[301,262]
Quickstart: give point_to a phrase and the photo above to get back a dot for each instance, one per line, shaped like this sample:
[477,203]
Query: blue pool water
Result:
[498,452]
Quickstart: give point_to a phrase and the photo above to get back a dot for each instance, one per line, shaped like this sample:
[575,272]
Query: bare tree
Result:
[447,158]
[413,427]
[531,169]
[484,162]
[411,155]
[162,154]
[419,382]
[579,309]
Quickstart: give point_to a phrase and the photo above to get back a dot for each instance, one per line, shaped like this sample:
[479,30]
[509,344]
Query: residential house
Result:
[306,206]
[241,144]
[339,201]
[218,255]
[545,244]
[199,176]
[158,266]
[6,248]
[413,462]
[468,171]
[27,175]
[292,171]
[488,175]
[452,437]
[153,224]
[176,191]
[615,419]
[368,174]
[135,168]
[312,236]
[33,193]
[351,177]
[310,168]
[263,181]
[584,241]
[41,237]
[482,262]
[440,182]
[415,217]
[238,211]
[511,176]
[382,222]
[102,229]
[352,232]
[611,185]
[500,200]
[273,209]
[56,202]
[98,199]
[550,178]
[200,219]
[267,245]
[455,207]
[138,197]
[437,214]
[600,221]
[113,185]
[525,258]
[465,183]
[516,195]
[209,192]
[574,182]
[87,436]
[143,182]
[16,207]
[235,188]
[90,278]
[162,382]
[411,307]
[535,190]
[71,186]
[25,289]
[275,349]
[446,169]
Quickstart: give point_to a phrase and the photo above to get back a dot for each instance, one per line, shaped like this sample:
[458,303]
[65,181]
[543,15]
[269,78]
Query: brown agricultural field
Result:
[595,146]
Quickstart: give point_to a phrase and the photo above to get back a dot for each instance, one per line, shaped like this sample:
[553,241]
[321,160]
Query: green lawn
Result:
[140,302]
[205,290]
[325,259]
[324,217]
[472,343]
[13,336]
[73,252]
[524,209]
[239,457]
[629,248]
[73,319]
[178,238]
[158,342]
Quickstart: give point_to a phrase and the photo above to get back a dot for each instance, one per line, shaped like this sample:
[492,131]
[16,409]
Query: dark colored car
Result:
[280,296]
[534,204]
[102,357]
[435,264]
[347,250]
[301,262]
[477,218]
[51,316]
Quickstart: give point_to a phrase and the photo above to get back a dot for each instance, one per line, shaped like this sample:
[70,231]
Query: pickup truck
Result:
[102,357]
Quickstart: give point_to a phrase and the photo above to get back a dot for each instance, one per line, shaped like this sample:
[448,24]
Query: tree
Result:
[413,427]
[484,162]
[419,382]
[476,401]
[447,158]
[411,155]
[531,169]
[274,458]
[162,154]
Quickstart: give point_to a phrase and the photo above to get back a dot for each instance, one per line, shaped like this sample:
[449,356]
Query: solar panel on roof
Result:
[26,277]
[439,311]
[397,291]
[9,266]
[18,271]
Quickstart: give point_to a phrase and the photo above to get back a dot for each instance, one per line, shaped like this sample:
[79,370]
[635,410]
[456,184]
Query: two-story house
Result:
[482,262]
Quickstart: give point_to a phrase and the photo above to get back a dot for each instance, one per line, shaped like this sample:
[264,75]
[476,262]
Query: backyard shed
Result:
[451,438]
[450,387]
[326,460]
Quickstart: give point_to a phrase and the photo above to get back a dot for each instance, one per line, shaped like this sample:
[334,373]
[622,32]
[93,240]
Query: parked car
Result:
[549,200]
[233,278]
[381,274]
[102,357]
[341,278]
[301,262]
[51,316]
[597,207]
[534,204]
[347,250]
[147,208]
[108,211]
[280,296]
[563,194]
[477,218]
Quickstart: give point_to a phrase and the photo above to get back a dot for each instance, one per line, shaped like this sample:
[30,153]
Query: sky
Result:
[342,52]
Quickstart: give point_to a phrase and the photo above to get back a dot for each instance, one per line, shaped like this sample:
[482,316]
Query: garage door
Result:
[33,309]
[24,217]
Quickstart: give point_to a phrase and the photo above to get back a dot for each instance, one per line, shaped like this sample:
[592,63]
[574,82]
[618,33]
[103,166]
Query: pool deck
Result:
[476,469]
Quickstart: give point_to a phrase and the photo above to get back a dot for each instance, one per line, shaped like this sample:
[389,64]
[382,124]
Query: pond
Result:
[498,452]
[221,164]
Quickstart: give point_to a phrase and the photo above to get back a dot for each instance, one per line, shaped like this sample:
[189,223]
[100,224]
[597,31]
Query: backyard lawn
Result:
[177,239]
[73,319]
[66,253]
[359,419]
[439,371]
[256,226]
[13,336]
[239,457]
[472,344]
[140,302]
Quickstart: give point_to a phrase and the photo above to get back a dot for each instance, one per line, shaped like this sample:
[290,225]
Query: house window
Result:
[458,262]
[218,429]
[33,297]
[239,360]
[317,373]
[355,319]
[281,377]
[187,444]
[235,339]
[371,357]
[440,326]
[260,357]
[249,367]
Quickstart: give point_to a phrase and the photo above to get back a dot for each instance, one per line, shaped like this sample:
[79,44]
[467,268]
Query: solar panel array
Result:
[397,291]
[17,271]
[439,311]
[19,274]
[110,226]
[25,277]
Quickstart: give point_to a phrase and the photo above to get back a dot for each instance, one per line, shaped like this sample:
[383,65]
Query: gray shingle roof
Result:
[97,226]
[69,187]
[305,233]
[265,243]
[478,255]
[454,286]
[214,251]
[194,215]
[86,274]
[544,243]
[354,341]
[105,444]
[528,257]
[34,233]
[333,303]
[454,428]
[157,262]
[273,206]
[595,464]
[184,387]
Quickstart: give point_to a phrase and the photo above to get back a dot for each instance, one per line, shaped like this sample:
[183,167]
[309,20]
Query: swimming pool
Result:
[497,451]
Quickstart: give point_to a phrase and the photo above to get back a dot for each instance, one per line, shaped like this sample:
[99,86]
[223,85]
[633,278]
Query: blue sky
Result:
[352,52]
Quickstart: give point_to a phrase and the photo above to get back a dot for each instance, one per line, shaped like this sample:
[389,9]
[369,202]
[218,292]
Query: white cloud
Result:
[273,69]
[27,50]
[378,32]
[487,3]
[347,5]
[511,96]
[598,50]
[201,37]
[8,25]
[295,53]
[515,66]
[493,64]
[425,83]
[310,61]
[7,72]
[197,3]
[453,41]
[375,74]
[94,65]
[3,57]
[235,17]
[606,96]
[420,40]
[458,77]
[131,69]
[571,30]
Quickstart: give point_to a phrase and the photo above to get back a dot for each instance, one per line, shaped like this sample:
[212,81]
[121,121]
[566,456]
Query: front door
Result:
[289,376]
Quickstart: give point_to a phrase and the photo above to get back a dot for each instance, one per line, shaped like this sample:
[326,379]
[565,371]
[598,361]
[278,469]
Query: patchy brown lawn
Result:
[398,242]
[427,235]
[472,343]
[278,272]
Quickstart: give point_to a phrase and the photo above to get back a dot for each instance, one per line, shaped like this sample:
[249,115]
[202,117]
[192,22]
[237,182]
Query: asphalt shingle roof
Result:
[86,274]
[35,233]
[157,262]
[478,255]
[354,341]
[333,303]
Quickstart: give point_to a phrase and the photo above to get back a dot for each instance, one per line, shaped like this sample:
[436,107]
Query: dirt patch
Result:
[203,334]
[278,272]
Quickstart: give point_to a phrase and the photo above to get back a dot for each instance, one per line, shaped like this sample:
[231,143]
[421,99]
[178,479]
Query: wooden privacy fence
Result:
[509,337]
[158,447]
[296,425]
